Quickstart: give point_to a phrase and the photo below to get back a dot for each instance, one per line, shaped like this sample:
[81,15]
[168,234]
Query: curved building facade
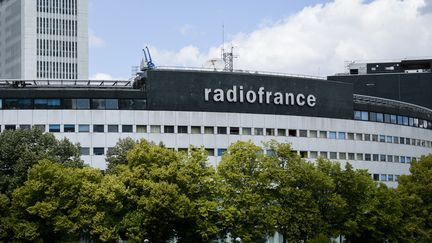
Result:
[378,127]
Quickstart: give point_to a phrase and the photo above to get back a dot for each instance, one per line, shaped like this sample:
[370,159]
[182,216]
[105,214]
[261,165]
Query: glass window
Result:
[399,120]
[40,127]
[168,129]
[83,104]
[69,103]
[382,138]
[380,117]
[383,157]
[373,116]
[367,137]
[155,129]
[359,136]
[364,116]
[368,157]
[25,126]
[184,129]
[323,134]
[313,133]
[402,140]
[83,128]
[342,155]
[387,118]
[111,104]
[332,135]
[258,131]
[98,128]
[141,128]
[405,120]
[376,177]
[54,103]
[333,155]
[281,132]
[85,151]
[113,128]
[323,154]
[208,130]
[127,128]
[195,129]
[292,133]
[13,127]
[342,135]
[132,104]
[313,154]
[303,133]
[393,119]
[98,104]
[350,136]
[234,130]
[359,156]
[221,151]
[375,137]
[303,154]
[411,121]
[270,131]
[69,128]
[390,177]
[408,159]
[221,130]
[210,151]
[389,158]
[396,159]
[402,159]
[389,139]
[357,115]
[383,177]
[395,139]
[247,131]
[98,151]
[416,122]
[407,141]
[375,157]
[54,128]
[1,104]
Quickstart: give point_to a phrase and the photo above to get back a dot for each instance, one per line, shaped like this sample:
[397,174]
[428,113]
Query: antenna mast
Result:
[227,56]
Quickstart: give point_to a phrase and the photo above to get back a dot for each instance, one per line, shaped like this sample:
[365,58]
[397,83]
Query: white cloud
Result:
[318,39]
[104,76]
[95,41]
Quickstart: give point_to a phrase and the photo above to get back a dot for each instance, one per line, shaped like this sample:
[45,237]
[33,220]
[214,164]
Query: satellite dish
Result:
[214,64]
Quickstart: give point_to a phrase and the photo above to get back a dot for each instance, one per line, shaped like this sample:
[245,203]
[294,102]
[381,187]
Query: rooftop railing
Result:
[15,83]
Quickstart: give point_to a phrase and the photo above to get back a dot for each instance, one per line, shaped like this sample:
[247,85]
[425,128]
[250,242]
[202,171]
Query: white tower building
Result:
[43,39]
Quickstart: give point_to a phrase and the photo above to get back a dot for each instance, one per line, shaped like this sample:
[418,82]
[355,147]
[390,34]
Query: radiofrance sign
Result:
[237,94]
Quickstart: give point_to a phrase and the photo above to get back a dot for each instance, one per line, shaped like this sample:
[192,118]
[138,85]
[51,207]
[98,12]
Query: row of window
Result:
[53,26]
[170,129]
[392,119]
[57,6]
[385,177]
[74,104]
[57,70]
[56,48]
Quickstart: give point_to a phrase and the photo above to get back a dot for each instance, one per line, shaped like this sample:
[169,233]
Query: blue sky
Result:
[303,36]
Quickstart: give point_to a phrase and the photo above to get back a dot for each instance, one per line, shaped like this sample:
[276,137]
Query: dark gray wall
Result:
[414,88]
[184,91]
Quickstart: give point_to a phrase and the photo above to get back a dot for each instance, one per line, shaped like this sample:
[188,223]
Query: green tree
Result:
[416,193]
[117,155]
[244,193]
[45,207]
[23,148]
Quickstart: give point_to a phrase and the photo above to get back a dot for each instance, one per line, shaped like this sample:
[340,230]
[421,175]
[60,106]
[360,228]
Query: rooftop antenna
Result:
[227,56]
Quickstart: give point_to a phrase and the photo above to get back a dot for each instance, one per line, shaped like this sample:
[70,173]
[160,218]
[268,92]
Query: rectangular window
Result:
[83,128]
[303,133]
[54,128]
[357,115]
[390,177]
[313,154]
[258,131]
[359,156]
[234,130]
[350,136]
[407,141]
[382,138]
[389,158]
[393,119]
[83,104]
[342,135]
[382,157]
[155,129]
[270,131]
[247,131]
[380,117]
[113,128]
[342,155]
[184,129]
[84,151]
[313,133]
[195,129]
[368,157]
[323,134]
[359,136]
[375,137]
[389,139]
[98,128]
[40,127]
[396,159]
[395,139]
[364,116]
[402,140]
[376,177]
[69,128]
[25,126]
[281,132]
[387,118]
[303,154]
[210,152]
[98,151]
[367,137]
[375,157]
[98,104]
[208,130]
[383,177]
[333,155]
[402,159]
[13,127]
[141,128]
[111,104]
[323,154]
[351,156]
[221,152]
[373,116]
[332,135]
[292,133]
[168,129]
